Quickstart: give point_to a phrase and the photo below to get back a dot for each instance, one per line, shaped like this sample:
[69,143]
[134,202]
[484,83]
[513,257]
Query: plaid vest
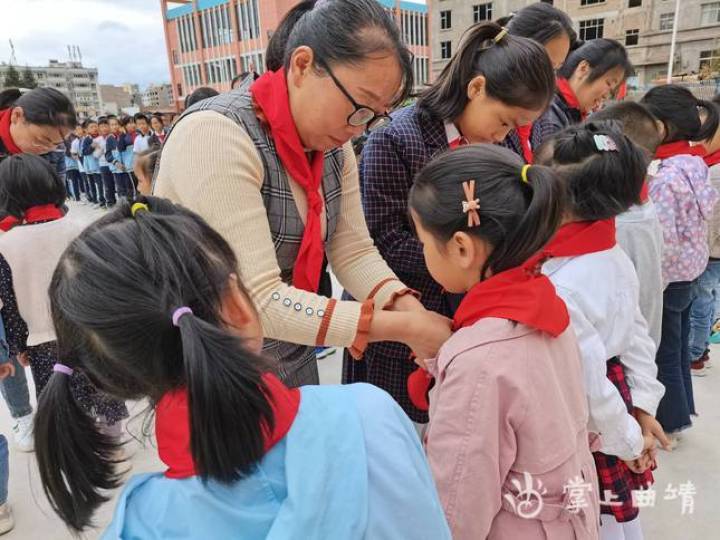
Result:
[286,224]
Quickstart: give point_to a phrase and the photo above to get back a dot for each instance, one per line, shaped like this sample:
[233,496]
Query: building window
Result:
[445,49]
[666,21]
[710,60]
[482,12]
[632,37]
[591,2]
[445,20]
[592,29]
[248,19]
[175,57]
[634,3]
[179,90]
[710,13]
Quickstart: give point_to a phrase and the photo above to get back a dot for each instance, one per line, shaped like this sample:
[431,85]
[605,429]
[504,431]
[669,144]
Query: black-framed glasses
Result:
[362,115]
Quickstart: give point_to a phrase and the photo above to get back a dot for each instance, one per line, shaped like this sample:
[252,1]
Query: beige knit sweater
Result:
[211,166]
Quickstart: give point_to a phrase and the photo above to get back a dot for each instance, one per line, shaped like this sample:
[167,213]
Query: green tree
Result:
[12,78]
[28,79]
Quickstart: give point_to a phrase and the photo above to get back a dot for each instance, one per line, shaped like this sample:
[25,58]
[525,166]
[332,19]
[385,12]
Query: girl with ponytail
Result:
[603,172]
[684,197]
[243,451]
[495,82]
[508,398]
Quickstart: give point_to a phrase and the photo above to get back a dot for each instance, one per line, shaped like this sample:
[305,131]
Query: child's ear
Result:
[462,250]
[239,314]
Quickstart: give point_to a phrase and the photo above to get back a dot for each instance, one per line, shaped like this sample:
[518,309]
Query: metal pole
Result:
[672,43]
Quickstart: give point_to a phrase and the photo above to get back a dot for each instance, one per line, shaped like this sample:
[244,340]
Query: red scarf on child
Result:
[581,238]
[520,294]
[679,148]
[712,159]
[34,214]
[5,136]
[270,93]
[172,425]
[524,133]
[568,95]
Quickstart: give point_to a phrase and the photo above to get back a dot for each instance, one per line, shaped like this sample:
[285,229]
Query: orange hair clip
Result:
[471,205]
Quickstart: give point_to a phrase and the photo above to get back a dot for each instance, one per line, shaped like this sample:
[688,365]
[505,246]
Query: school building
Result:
[209,42]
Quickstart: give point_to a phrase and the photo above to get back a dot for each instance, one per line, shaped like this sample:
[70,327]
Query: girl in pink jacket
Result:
[507,440]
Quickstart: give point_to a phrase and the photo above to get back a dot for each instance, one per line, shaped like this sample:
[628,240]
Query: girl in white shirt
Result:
[604,174]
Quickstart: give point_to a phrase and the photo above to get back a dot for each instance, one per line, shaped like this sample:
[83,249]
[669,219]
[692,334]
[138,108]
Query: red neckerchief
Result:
[172,425]
[621,93]
[645,192]
[524,135]
[5,136]
[160,136]
[712,159]
[679,148]
[270,93]
[34,214]
[454,137]
[520,294]
[582,238]
[568,95]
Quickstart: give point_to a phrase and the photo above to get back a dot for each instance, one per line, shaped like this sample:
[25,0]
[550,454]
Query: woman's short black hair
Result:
[601,184]
[41,106]
[602,55]
[199,95]
[27,180]
[340,32]
[517,218]
[517,72]
[540,22]
[123,339]
[679,110]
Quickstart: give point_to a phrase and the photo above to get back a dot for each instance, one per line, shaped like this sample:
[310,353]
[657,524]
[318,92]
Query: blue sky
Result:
[122,38]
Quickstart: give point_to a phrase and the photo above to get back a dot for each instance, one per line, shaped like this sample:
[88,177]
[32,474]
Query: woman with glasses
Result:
[36,122]
[494,83]
[270,165]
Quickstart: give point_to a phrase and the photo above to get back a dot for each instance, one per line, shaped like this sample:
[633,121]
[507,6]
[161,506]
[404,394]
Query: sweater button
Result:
[298,307]
[276,296]
[320,313]
[309,311]
[287,302]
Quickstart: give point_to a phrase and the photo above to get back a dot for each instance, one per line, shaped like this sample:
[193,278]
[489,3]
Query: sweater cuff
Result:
[387,291]
[357,349]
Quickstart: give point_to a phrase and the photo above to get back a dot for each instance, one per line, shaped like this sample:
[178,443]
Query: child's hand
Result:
[7,370]
[427,331]
[650,426]
[23,359]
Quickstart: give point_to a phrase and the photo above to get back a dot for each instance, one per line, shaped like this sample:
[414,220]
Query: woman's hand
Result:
[427,331]
[23,359]
[650,426]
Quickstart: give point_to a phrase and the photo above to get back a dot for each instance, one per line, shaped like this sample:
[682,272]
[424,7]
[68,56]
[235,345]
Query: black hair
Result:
[158,117]
[148,159]
[201,93]
[41,106]
[68,142]
[124,340]
[540,22]
[125,120]
[103,120]
[602,55]
[111,117]
[517,72]
[637,122]
[340,32]
[601,184]
[89,121]
[679,110]
[141,116]
[516,218]
[27,180]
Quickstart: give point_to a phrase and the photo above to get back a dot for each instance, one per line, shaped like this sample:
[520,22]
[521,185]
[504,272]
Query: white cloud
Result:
[123,38]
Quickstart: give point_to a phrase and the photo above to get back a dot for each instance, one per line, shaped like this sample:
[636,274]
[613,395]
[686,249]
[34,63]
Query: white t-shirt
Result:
[142,143]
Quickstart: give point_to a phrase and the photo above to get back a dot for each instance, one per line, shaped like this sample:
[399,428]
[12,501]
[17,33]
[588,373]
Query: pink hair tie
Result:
[179,312]
[62,368]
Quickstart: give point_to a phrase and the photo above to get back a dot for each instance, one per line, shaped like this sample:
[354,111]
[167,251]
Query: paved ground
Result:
[696,460]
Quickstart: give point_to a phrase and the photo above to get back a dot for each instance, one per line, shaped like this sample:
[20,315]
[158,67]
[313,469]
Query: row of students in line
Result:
[100,156]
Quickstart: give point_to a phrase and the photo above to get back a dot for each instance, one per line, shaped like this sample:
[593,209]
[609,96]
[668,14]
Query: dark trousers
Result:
[673,358]
[108,182]
[123,184]
[89,186]
[73,177]
[97,183]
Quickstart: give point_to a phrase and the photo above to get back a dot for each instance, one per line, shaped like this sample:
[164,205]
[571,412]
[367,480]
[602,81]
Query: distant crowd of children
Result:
[101,156]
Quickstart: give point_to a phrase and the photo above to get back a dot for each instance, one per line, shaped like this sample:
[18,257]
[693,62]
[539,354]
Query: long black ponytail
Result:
[124,340]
